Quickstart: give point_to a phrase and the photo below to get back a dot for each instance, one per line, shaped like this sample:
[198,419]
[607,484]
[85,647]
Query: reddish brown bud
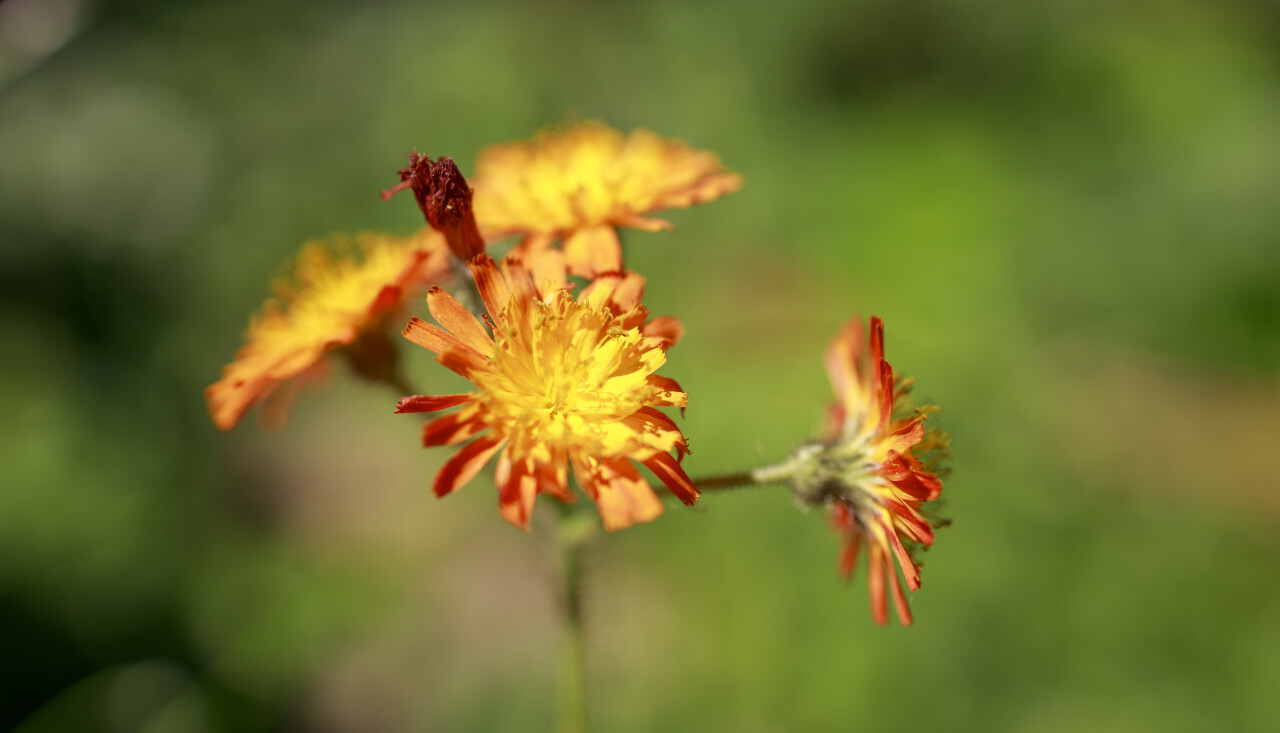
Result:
[445,199]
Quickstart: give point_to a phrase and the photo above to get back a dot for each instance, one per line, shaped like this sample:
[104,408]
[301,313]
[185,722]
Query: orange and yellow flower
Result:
[334,300]
[582,182]
[559,382]
[888,482]
[873,471]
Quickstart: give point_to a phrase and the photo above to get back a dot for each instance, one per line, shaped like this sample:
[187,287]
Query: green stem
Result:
[776,474]
[724,482]
[571,692]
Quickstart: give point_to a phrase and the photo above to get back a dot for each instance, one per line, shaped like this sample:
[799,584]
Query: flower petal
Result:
[849,555]
[547,269]
[452,428]
[667,329]
[434,338]
[644,223]
[909,569]
[899,599]
[593,250]
[672,394]
[430,403]
[492,286]
[465,464]
[517,489]
[670,473]
[876,563]
[622,496]
[458,321]
[518,279]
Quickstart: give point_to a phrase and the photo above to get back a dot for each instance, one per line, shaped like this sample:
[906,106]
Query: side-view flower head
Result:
[875,468]
[579,184]
[559,382]
[333,300]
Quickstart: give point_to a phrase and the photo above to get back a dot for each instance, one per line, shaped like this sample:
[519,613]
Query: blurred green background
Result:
[1066,212]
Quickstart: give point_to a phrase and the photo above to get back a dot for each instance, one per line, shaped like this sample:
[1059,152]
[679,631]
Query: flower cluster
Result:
[563,358]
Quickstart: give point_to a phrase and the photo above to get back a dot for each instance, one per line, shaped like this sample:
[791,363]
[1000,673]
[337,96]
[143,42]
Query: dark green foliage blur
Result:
[1066,213]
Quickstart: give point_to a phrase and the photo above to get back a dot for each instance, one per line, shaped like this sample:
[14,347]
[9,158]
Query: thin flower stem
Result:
[725,482]
[777,474]
[571,691]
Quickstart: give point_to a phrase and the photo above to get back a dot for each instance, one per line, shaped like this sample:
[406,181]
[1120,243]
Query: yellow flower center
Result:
[563,378]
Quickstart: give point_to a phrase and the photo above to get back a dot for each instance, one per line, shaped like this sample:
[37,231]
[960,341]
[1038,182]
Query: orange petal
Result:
[884,374]
[673,395]
[461,361]
[899,599]
[387,299]
[430,403]
[898,472]
[554,480]
[708,188]
[650,420]
[517,489]
[621,494]
[669,472]
[593,250]
[465,464]
[493,288]
[627,292]
[547,268]
[619,291]
[849,554]
[518,280]
[877,339]
[875,584]
[910,523]
[909,569]
[632,221]
[667,328]
[451,429]
[231,397]
[433,338]
[904,437]
[458,321]
[842,367]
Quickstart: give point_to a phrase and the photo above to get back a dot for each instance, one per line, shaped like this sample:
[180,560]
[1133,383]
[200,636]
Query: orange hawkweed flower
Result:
[581,182]
[873,471]
[885,482]
[559,382]
[333,301]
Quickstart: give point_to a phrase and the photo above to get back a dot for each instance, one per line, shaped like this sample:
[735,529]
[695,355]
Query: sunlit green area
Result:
[1066,213]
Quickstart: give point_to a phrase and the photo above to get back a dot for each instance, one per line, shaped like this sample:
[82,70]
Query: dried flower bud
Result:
[445,199]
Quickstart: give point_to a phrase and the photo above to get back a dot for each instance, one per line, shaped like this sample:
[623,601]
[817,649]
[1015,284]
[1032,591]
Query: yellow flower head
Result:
[333,300]
[560,381]
[580,183]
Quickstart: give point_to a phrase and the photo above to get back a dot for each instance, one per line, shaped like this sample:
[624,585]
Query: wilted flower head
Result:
[873,471]
[333,300]
[445,200]
[559,381]
[582,182]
